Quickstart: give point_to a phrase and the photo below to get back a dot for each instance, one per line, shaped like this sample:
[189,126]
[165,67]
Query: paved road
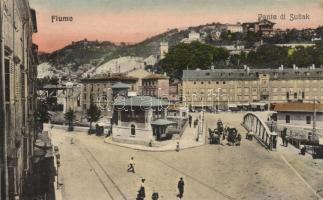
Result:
[92,169]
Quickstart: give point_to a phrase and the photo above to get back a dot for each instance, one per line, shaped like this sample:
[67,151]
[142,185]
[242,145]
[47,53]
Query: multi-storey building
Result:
[263,26]
[18,57]
[156,85]
[98,90]
[222,88]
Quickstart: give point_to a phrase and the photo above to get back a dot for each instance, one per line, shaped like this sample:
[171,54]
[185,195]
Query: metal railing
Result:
[255,124]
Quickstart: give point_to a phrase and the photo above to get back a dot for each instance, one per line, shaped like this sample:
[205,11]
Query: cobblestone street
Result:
[92,169]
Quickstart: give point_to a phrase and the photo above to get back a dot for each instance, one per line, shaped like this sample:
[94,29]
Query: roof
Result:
[253,74]
[156,76]
[120,85]
[110,78]
[162,122]
[140,101]
[297,107]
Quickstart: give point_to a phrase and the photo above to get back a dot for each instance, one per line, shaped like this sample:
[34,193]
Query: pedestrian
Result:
[190,120]
[177,147]
[285,137]
[180,187]
[131,166]
[141,193]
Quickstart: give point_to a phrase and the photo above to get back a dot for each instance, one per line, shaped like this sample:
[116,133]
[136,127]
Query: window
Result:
[133,130]
[209,82]
[217,82]
[287,95]
[295,95]
[224,82]
[194,82]
[202,83]
[308,119]
[287,119]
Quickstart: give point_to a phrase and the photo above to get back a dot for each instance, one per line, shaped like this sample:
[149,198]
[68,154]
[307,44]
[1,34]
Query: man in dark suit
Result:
[180,187]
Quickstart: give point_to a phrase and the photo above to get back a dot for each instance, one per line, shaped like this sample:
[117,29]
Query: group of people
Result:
[231,134]
[234,138]
[141,195]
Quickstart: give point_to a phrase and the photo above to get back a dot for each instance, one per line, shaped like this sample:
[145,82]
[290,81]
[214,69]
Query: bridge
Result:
[255,124]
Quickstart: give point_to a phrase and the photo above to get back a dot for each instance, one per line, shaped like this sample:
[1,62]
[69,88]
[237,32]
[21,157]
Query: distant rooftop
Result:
[297,107]
[252,74]
[120,85]
[156,76]
[110,77]
[140,101]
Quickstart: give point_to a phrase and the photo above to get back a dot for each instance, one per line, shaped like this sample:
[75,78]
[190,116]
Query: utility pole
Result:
[314,118]
[219,98]
[3,126]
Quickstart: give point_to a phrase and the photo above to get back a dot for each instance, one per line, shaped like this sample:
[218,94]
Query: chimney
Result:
[212,67]
[165,74]
[294,66]
[244,67]
[313,66]
[282,67]
[248,70]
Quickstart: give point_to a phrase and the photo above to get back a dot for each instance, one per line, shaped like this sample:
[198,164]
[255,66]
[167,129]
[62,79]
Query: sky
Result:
[132,21]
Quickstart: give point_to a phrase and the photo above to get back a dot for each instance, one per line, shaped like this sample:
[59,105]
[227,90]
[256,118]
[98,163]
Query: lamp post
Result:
[219,98]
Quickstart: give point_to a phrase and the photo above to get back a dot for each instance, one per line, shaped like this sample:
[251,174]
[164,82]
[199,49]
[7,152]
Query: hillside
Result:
[91,57]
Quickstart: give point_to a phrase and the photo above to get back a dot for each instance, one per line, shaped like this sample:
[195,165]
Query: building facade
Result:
[18,95]
[222,88]
[263,26]
[139,119]
[298,118]
[98,90]
[156,85]
[234,28]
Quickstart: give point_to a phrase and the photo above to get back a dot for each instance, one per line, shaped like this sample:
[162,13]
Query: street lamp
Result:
[219,98]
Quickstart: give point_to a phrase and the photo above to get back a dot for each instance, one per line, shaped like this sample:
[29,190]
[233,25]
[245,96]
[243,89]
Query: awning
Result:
[162,122]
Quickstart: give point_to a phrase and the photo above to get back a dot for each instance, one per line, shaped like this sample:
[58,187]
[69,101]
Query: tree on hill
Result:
[93,114]
[191,56]
[268,56]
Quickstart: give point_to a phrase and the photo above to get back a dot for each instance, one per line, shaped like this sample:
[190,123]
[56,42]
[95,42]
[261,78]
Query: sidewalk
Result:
[188,140]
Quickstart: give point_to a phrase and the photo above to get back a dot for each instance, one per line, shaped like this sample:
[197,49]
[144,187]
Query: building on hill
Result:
[299,118]
[163,50]
[234,28]
[18,95]
[156,85]
[263,26]
[231,88]
[192,37]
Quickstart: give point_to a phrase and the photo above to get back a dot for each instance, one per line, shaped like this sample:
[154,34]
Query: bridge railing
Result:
[255,124]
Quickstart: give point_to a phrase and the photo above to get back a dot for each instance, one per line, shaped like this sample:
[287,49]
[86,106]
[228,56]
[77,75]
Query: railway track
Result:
[111,188]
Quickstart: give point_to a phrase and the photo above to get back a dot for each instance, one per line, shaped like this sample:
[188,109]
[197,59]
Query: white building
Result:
[192,37]
[163,49]
[299,117]
[234,28]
